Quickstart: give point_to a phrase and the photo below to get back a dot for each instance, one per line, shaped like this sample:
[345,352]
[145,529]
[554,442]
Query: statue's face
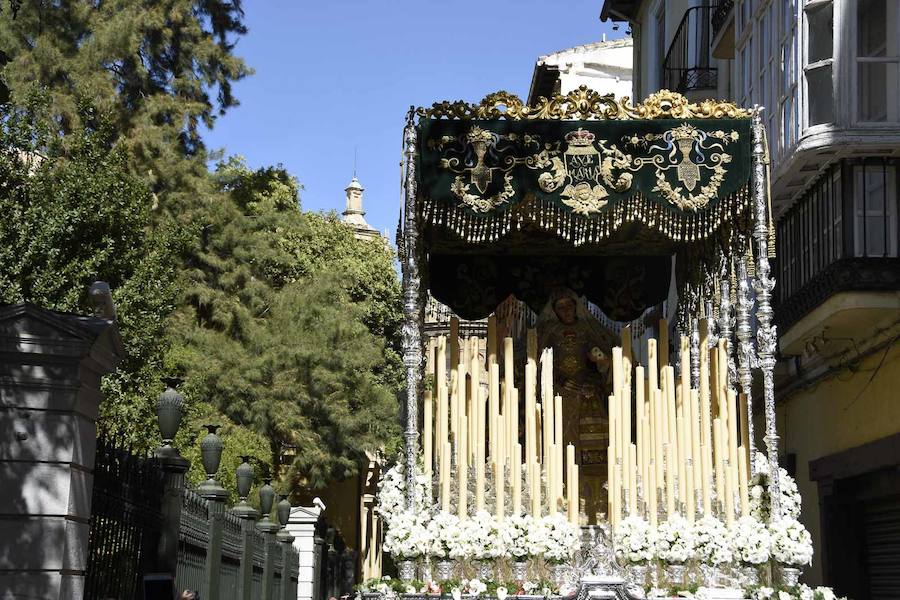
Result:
[565,310]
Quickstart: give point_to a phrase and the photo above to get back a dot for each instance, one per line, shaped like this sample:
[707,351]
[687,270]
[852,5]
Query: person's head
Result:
[565,308]
[189,595]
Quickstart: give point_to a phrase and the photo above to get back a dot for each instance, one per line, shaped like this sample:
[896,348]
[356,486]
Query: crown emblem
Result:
[580,137]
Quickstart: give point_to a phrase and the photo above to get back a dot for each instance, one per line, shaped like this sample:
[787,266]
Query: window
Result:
[878,60]
[787,85]
[819,61]
[875,209]
[659,24]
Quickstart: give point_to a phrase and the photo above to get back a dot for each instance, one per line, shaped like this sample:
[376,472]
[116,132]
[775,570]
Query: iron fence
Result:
[124,525]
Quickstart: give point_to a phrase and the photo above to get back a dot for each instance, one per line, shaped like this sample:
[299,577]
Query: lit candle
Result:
[428,435]
[632,476]
[499,490]
[494,402]
[743,483]
[491,350]
[507,386]
[671,469]
[516,470]
[719,463]
[445,478]
[696,440]
[745,429]
[463,474]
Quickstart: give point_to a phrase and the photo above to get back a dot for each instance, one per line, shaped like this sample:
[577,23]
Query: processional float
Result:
[500,196]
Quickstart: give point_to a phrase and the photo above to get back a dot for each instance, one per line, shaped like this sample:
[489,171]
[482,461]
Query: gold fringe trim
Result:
[580,230]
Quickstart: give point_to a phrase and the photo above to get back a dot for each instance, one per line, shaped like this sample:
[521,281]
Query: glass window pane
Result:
[874,200]
[819,92]
[872,27]
[821,27]
[873,89]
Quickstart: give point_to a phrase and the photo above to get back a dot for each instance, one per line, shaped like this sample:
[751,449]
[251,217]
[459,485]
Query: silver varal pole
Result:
[745,349]
[766,336]
[412,308]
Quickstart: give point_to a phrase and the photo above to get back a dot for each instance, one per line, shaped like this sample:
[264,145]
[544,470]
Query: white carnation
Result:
[791,542]
[750,541]
[674,540]
[634,540]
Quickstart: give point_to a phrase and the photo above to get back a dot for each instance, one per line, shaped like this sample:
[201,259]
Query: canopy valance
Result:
[582,165]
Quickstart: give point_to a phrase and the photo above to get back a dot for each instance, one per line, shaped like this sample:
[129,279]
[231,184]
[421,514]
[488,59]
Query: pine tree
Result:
[283,326]
[152,65]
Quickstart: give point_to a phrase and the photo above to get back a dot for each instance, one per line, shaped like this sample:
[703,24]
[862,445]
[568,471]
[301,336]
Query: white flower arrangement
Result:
[444,532]
[554,538]
[711,543]
[482,537]
[791,542]
[516,531]
[392,492]
[634,540]
[674,541]
[750,541]
[802,592]
[407,536]
[759,491]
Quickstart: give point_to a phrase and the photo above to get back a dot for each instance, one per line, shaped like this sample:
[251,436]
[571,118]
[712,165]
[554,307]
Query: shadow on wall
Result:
[50,369]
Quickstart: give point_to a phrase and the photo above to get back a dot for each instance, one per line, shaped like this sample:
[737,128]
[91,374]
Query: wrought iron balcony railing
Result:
[721,15]
[840,236]
[688,63]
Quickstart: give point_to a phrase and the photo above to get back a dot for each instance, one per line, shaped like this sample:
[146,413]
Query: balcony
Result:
[838,267]
[722,20]
[688,64]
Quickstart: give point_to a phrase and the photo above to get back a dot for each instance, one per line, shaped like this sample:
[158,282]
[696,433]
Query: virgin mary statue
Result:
[581,364]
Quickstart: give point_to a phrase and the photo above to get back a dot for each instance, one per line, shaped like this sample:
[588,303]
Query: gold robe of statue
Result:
[581,350]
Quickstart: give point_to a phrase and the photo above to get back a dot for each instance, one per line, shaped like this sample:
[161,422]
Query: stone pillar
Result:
[211,454]
[174,467]
[302,524]
[248,516]
[50,369]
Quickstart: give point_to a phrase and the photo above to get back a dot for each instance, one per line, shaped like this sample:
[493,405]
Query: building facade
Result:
[827,73]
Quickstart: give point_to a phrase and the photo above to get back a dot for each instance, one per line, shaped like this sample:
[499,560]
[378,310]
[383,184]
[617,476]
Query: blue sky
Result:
[336,75]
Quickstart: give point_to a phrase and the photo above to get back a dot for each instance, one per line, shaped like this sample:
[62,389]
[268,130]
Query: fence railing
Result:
[224,556]
[688,63]
[150,535]
[124,525]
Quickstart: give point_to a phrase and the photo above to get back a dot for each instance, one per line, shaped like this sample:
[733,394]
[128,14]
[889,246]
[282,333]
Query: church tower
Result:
[354,215]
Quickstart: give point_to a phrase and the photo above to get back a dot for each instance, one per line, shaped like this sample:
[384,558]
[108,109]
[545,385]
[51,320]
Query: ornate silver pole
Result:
[412,305]
[766,335]
[725,321]
[695,352]
[745,349]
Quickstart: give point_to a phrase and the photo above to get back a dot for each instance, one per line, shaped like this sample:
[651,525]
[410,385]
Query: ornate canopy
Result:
[569,180]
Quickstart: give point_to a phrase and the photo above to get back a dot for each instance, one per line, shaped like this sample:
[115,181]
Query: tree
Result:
[76,215]
[153,66]
[282,326]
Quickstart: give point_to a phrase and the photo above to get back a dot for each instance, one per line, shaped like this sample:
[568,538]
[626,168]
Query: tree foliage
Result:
[284,326]
[76,215]
[283,322]
[160,69]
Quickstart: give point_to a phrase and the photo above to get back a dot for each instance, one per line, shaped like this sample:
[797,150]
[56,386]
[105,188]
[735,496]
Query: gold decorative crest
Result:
[584,104]
[689,143]
[584,167]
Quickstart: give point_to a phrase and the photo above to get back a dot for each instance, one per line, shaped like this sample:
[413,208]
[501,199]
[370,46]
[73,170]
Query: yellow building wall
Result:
[833,416]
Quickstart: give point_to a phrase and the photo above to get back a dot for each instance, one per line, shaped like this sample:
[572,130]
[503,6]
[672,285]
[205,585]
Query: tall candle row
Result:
[681,449]
[471,419]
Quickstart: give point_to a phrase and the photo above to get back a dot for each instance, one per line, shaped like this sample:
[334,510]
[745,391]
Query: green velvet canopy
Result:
[573,179]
